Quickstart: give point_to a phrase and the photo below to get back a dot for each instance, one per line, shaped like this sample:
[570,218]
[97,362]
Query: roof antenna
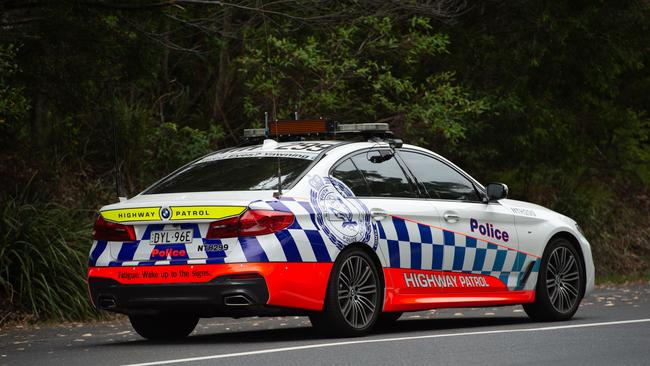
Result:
[279,192]
[266,125]
[274,111]
[118,175]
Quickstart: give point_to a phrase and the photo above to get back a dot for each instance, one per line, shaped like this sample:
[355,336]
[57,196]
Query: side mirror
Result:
[496,191]
[384,155]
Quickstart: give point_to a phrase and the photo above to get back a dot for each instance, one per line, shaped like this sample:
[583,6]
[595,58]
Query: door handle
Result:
[451,218]
[378,214]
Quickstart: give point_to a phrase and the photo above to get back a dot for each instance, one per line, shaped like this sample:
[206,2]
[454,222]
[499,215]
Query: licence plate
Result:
[171,236]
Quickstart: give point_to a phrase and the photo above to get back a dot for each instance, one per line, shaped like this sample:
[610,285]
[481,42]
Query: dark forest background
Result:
[550,97]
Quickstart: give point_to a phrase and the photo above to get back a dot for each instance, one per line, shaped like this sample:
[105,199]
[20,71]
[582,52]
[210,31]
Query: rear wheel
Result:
[353,299]
[163,326]
[560,283]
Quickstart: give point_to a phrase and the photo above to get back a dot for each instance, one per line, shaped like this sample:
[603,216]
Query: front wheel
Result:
[353,300]
[560,283]
[163,326]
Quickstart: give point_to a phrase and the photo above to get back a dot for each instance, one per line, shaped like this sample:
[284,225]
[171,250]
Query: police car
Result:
[351,234]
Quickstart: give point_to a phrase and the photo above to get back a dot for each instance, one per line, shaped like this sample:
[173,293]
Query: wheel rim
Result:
[563,279]
[357,291]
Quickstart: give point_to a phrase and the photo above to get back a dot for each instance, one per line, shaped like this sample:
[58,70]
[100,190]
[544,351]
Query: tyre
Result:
[560,283]
[354,298]
[163,326]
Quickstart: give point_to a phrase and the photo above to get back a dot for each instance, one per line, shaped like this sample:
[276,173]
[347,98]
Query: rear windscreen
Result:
[238,174]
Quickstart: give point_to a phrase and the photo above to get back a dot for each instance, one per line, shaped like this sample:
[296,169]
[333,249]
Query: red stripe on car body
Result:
[293,285]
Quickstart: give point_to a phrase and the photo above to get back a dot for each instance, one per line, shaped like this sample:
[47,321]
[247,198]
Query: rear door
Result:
[403,219]
[479,239]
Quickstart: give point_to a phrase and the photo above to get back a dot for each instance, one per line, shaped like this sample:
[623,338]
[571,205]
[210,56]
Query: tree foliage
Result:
[549,97]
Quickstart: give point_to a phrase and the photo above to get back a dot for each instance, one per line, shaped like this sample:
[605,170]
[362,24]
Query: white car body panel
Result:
[536,225]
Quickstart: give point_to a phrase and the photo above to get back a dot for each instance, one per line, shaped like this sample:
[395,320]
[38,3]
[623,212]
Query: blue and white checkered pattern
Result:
[414,245]
[300,242]
[404,243]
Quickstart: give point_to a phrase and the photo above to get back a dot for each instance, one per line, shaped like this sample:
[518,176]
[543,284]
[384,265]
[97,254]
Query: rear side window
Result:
[382,176]
[347,173]
[439,179]
[238,174]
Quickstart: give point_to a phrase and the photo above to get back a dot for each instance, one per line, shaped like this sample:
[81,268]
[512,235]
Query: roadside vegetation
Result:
[549,97]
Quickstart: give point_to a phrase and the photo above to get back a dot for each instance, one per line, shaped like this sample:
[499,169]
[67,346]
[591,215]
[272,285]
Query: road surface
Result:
[611,327]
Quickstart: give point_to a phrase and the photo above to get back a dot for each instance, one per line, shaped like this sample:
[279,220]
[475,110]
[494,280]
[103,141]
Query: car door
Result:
[479,239]
[403,220]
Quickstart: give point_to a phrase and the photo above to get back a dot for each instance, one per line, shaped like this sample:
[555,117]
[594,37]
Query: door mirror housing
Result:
[496,191]
[384,155]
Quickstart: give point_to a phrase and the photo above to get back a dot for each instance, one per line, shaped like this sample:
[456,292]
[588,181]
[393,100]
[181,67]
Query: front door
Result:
[479,239]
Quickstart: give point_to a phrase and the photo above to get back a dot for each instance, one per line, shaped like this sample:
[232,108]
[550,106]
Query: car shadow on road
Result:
[305,333]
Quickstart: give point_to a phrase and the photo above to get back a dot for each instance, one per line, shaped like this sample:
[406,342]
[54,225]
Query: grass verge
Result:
[43,254]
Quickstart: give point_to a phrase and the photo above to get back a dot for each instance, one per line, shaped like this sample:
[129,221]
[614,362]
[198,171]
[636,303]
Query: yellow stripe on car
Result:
[205,212]
[132,214]
[177,213]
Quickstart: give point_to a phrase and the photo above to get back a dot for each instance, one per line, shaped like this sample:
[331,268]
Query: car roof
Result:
[309,150]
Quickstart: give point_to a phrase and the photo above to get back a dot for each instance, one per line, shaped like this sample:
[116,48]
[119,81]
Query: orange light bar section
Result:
[297,127]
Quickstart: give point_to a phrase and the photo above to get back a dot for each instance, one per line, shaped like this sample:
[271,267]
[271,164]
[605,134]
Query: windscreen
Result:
[232,174]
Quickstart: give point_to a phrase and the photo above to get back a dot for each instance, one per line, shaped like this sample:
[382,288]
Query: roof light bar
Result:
[362,127]
[298,128]
[254,132]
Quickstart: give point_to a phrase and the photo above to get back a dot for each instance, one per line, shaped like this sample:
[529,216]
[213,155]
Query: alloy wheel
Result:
[357,291]
[563,279]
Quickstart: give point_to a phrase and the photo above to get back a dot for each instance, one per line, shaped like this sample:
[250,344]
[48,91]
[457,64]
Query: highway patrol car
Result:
[351,234]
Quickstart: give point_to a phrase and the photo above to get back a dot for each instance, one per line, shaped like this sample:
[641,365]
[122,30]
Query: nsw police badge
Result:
[340,215]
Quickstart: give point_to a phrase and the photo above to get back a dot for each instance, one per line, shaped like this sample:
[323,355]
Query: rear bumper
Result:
[222,295]
[211,289]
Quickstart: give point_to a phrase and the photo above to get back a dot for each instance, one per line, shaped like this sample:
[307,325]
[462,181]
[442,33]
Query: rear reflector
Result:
[245,276]
[111,231]
[250,223]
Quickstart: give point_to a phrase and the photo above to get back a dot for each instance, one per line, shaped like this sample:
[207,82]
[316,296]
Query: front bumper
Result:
[211,289]
[590,269]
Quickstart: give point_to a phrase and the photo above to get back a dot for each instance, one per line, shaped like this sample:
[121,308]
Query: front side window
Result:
[439,179]
[382,175]
[232,174]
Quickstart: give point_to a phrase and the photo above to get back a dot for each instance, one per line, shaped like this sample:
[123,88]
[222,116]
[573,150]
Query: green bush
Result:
[171,146]
[43,253]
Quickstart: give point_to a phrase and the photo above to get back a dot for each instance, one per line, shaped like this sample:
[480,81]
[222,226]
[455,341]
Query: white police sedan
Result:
[351,234]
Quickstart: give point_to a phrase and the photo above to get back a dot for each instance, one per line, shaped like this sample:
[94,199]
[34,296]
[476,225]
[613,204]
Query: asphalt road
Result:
[612,327]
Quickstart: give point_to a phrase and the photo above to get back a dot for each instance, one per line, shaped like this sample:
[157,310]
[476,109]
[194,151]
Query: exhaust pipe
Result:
[107,302]
[237,300]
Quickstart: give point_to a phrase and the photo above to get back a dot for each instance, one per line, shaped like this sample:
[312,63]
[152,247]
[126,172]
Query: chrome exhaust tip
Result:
[107,302]
[237,300]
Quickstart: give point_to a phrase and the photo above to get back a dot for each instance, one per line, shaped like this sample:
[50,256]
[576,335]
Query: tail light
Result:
[226,228]
[259,222]
[251,223]
[111,231]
